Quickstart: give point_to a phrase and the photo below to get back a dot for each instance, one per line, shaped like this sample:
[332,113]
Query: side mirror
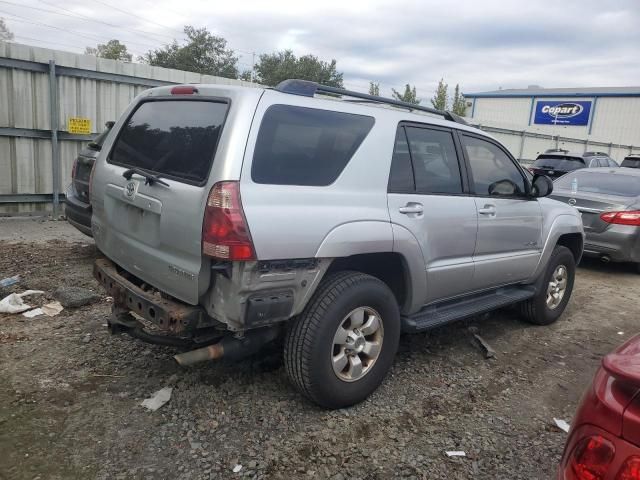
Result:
[542,186]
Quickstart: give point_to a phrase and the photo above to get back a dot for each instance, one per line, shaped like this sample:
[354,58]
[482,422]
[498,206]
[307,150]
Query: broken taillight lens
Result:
[225,233]
[630,470]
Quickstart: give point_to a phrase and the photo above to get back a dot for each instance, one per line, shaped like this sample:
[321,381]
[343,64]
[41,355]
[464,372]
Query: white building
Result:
[608,118]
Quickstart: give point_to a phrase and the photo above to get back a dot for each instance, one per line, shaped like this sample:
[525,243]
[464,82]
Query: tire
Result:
[310,351]
[537,309]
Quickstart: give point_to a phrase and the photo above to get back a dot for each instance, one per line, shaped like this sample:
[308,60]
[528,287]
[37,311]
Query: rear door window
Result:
[175,138]
[435,162]
[306,146]
[401,175]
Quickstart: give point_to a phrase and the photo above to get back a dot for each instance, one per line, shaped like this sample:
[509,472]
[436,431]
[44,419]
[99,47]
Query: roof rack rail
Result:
[308,88]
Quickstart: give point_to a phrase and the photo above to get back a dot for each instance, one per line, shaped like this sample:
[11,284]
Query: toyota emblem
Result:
[572,201]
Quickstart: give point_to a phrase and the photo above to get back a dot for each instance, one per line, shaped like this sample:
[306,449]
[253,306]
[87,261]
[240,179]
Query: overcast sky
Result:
[480,44]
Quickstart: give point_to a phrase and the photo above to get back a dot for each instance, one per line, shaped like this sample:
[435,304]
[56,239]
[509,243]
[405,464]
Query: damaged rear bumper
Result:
[168,315]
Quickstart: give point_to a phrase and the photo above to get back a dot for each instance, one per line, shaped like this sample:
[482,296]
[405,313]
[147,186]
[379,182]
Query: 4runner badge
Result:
[130,189]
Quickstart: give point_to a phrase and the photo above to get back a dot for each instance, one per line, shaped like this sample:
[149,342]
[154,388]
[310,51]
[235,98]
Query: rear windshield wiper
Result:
[150,178]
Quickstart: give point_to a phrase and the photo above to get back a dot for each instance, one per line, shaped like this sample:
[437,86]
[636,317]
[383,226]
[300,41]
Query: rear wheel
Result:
[339,349]
[554,289]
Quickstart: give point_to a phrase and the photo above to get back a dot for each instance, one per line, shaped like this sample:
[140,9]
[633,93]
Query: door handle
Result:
[488,209]
[411,207]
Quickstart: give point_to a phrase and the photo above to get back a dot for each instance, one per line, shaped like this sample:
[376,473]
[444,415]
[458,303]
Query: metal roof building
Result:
[606,114]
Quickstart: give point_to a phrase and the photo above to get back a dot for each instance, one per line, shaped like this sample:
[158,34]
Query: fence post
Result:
[55,152]
[610,147]
[524,135]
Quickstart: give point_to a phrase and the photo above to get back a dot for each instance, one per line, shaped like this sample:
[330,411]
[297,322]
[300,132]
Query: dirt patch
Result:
[71,393]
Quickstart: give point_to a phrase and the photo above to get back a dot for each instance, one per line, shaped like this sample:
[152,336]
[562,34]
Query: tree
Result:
[113,49]
[441,97]
[5,33]
[458,104]
[203,53]
[273,68]
[409,95]
[374,89]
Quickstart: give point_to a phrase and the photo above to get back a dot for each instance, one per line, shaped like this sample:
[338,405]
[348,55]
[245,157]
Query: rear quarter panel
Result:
[348,216]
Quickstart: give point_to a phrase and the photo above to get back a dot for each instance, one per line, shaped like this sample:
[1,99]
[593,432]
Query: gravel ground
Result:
[71,393]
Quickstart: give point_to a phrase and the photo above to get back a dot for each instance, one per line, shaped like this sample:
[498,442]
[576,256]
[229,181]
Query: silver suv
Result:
[232,217]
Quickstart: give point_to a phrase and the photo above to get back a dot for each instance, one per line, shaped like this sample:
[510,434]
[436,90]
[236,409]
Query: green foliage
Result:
[374,89]
[441,97]
[410,95]
[273,68]
[458,104]
[202,53]
[113,49]
[5,33]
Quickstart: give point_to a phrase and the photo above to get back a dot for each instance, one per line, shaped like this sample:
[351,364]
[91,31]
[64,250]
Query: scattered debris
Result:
[158,399]
[52,309]
[73,297]
[86,338]
[14,304]
[482,343]
[561,424]
[237,468]
[33,313]
[7,282]
[620,333]
[455,453]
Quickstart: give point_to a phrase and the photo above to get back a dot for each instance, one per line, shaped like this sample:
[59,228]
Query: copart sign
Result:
[561,112]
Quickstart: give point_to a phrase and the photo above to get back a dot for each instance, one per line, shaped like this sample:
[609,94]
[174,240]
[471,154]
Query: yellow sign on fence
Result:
[79,125]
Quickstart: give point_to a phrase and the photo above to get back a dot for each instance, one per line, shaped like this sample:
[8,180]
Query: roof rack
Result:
[307,88]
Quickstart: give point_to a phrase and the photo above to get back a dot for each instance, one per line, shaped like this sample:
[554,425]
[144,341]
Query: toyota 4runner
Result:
[231,217]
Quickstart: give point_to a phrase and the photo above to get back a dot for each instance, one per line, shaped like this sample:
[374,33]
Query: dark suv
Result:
[631,161]
[78,203]
[555,163]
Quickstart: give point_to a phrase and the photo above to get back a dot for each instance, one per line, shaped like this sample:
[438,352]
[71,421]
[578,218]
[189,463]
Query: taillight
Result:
[225,234]
[184,90]
[622,218]
[630,470]
[590,459]
[532,170]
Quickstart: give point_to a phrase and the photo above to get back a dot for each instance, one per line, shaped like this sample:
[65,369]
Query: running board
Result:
[440,314]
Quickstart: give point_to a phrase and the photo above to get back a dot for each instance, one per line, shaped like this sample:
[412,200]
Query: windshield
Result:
[603,183]
[175,138]
[559,162]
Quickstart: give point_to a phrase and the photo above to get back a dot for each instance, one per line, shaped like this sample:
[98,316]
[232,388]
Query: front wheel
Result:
[339,349]
[554,289]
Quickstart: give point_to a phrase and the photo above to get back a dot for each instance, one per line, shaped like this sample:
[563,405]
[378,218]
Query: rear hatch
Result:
[554,165]
[82,173]
[154,229]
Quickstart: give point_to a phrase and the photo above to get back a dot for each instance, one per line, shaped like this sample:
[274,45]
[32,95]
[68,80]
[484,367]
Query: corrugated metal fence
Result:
[40,89]
[526,145]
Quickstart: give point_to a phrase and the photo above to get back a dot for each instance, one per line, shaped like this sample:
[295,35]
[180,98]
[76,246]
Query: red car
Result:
[604,440]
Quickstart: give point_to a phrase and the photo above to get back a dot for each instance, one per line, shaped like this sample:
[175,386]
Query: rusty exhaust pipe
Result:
[230,348]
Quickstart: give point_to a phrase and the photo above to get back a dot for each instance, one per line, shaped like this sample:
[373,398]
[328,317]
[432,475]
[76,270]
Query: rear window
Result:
[631,163]
[175,138]
[604,183]
[306,146]
[559,162]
